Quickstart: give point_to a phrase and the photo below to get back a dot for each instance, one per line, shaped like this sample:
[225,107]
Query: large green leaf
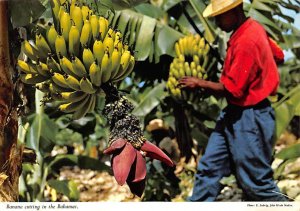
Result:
[66,187]
[150,100]
[199,7]
[286,109]
[83,162]
[123,4]
[289,152]
[25,12]
[145,37]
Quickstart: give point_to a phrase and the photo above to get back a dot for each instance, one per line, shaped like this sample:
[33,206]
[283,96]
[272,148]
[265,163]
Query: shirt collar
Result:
[236,34]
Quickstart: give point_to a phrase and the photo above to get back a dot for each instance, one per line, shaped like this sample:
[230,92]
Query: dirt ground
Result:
[102,187]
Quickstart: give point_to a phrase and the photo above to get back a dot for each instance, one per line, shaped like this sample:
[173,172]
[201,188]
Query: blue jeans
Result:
[240,144]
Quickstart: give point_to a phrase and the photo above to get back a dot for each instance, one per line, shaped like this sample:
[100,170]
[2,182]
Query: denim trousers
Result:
[241,144]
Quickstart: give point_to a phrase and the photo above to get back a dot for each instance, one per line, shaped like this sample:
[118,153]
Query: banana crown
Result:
[75,57]
[192,59]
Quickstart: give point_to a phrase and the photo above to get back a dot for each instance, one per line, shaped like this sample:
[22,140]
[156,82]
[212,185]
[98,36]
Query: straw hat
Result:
[217,7]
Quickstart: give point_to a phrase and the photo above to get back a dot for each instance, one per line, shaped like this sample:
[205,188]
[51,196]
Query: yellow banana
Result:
[177,49]
[187,69]
[175,73]
[78,67]
[116,62]
[87,58]
[65,24]
[86,33]
[85,12]
[74,96]
[72,82]
[42,45]
[128,70]
[60,46]
[51,36]
[55,5]
[194,72]
[26,67]
[95,74]
[42,69]
[29,50]
[125,59]
[32,78]
[72,6]
[86,86]
[106,67]
[103,27]
[181,46]
[95,26]
[108,43]
[98,50]
[59,80]
[181,72]
[76,16]
[196,59]
[202,43]
[74,41]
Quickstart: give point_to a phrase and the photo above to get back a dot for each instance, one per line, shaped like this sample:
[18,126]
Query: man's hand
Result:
[191,82]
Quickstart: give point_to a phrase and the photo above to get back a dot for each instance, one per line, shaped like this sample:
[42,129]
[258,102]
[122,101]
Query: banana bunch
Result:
[78,53]
[192,59]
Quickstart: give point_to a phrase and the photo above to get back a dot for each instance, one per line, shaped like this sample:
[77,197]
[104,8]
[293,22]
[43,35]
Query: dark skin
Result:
[228,21]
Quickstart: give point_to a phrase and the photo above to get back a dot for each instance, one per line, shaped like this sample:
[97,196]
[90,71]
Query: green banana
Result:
[52,64]
[78,67]
[72,82]
[43,86]
[32,78]
[42,69]
[73,106]
[74,96]
[86,86]
[81,112]
[128,70]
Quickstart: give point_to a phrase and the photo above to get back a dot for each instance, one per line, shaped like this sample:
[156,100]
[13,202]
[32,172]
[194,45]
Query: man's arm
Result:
[215,88]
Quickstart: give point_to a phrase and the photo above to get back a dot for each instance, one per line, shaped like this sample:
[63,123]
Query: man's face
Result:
[227,21]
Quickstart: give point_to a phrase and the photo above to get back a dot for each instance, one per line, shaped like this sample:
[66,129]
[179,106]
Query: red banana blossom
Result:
[129,164]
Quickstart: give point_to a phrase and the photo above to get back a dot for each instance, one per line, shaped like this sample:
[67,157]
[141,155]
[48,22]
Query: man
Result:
[242,140]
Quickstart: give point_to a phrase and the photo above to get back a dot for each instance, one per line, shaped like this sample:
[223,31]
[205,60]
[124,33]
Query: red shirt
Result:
[250,73]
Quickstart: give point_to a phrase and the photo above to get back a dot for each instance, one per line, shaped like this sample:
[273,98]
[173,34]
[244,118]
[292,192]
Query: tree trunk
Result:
[10,154]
